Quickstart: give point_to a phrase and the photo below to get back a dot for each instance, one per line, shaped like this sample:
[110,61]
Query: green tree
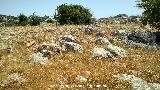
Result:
[22,20]
[151,14]
[34,20]
[73,14]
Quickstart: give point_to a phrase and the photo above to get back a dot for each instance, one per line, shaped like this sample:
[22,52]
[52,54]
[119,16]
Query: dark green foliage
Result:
[151,14]
[49,20]
[12,22]
[73,14]
[8,20]
[34,20]
[22,20]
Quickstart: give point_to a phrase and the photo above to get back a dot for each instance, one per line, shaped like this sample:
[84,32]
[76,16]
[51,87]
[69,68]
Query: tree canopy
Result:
[73,14]
[151,14]
[22,20]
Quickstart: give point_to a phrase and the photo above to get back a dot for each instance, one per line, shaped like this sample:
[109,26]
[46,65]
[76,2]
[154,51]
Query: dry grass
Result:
[63,69]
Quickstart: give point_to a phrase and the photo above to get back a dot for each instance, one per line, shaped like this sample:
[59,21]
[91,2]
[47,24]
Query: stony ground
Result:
[72,70]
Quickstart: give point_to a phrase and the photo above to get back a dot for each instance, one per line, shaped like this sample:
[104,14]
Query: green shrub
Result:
[34,20]
[151,14]
[12,22]
[73,14]
[49,20]
[22,20]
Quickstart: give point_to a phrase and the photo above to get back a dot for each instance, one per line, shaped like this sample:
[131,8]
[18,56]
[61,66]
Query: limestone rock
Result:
[138,83]
[119,33]
[71,46]
[102,41]
[116,51]
[68,38]
[38,58]
[100,52]
[142,37]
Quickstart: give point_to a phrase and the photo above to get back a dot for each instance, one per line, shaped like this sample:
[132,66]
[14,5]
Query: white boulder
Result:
[116,51]
[68,38]
[38,58]
[100,52]
[71,46]
[50,48]
[138,83]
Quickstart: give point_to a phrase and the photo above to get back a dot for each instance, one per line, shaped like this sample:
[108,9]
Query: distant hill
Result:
[121,18]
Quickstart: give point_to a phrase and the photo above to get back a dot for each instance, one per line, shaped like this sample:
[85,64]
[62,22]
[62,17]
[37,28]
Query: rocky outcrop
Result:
[119,33]
[108,52]
[116,51]
[101,53]
[38,58]
[138,39]
[68,38]
[71,46]
[70,43]
[45,49]
[138,83]
[102,41]
[143,39]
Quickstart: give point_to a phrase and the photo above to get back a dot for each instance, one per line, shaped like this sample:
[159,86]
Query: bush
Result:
[49,20]
[73,14]
[12,22]
[151,14]
[34,20]
[22,20]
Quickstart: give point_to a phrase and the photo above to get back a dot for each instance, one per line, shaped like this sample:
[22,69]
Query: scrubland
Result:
[70,68]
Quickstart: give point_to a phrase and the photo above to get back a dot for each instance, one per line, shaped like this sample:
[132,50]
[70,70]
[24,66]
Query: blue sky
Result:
[99,8]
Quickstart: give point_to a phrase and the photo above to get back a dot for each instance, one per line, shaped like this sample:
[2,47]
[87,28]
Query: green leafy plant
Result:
[151,14]
[73,14]
[34,20]
[22,20]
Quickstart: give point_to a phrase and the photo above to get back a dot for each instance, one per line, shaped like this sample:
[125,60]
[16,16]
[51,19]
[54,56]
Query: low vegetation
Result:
[23,20]
[71,68]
